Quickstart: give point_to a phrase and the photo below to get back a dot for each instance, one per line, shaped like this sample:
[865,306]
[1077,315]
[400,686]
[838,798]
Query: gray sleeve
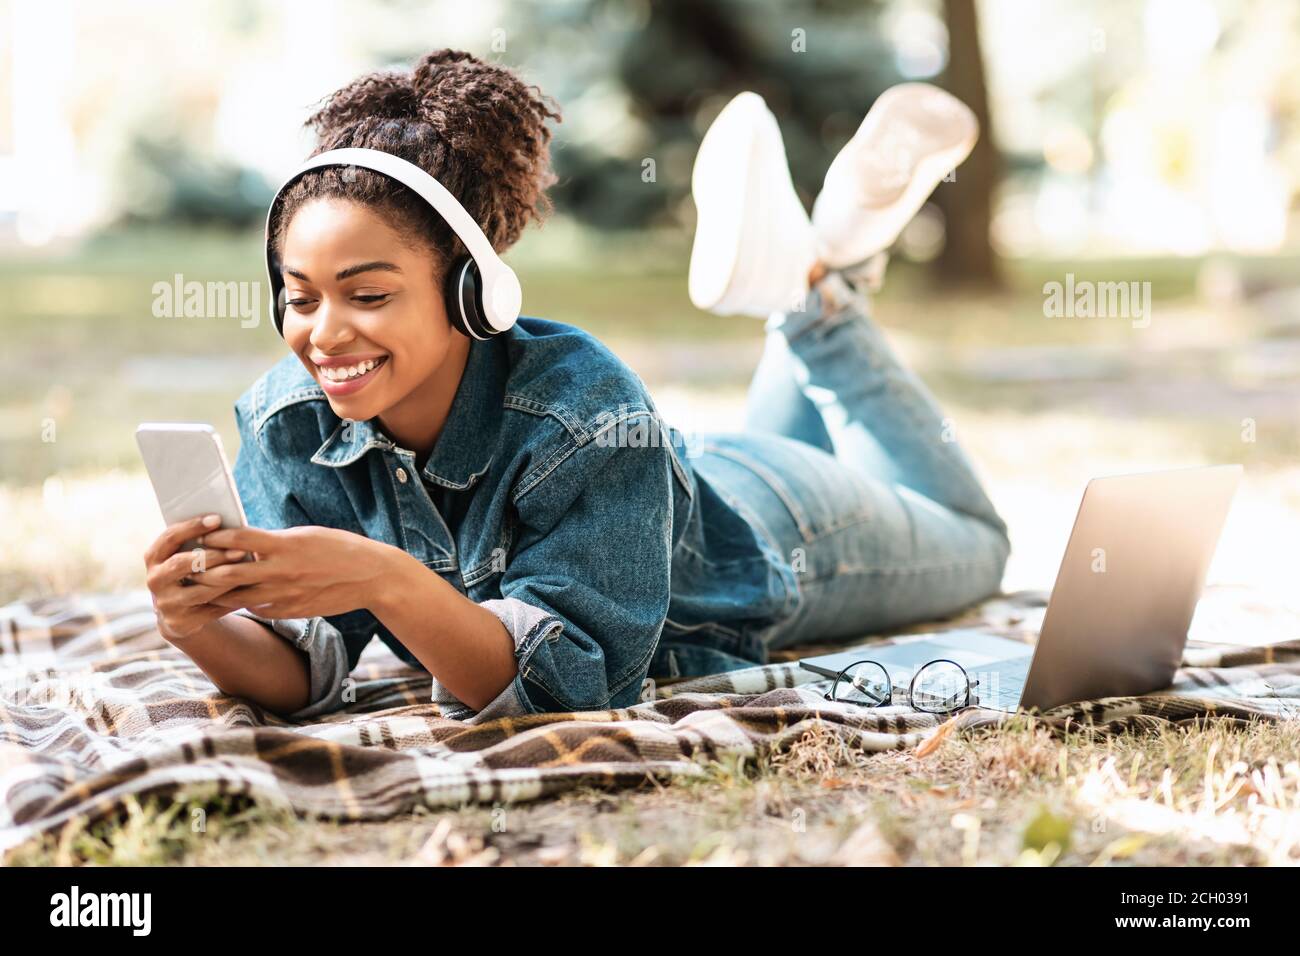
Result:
[527,626]
[327,659]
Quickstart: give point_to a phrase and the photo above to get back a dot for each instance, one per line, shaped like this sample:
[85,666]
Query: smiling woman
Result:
[496,497]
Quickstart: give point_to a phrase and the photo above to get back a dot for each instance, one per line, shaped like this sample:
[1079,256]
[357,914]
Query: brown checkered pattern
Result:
[95,707]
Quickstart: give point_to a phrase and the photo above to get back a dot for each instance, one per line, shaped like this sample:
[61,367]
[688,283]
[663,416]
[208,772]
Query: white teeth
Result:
[341,373]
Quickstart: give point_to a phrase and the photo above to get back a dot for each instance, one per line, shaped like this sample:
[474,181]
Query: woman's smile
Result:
[347,374]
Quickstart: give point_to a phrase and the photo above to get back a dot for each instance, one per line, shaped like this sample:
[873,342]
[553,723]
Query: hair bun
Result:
[440,66]
[483,111]
[385,95]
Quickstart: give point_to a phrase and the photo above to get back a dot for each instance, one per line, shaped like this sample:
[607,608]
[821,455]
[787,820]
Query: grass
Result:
[1210,794]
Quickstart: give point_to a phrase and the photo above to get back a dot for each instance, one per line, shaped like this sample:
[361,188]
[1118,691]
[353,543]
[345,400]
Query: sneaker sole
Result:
[889,211]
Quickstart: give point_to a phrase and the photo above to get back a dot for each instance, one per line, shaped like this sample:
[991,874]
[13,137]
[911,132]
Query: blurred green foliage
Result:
[167,180]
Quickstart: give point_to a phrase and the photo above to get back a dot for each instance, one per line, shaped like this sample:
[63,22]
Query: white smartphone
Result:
[190,474]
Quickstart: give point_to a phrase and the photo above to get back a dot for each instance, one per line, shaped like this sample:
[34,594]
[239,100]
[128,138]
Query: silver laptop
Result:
[1117,620]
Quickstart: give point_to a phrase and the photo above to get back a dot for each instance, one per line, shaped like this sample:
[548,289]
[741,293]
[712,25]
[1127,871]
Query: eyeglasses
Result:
[938,687]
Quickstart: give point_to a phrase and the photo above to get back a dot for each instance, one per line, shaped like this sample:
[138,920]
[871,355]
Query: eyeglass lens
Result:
[865,683]
[939,687]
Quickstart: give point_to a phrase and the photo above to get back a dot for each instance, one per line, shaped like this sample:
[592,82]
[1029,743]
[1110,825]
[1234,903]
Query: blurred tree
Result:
[967,203]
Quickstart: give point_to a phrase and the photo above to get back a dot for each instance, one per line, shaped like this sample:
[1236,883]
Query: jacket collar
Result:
[466,447]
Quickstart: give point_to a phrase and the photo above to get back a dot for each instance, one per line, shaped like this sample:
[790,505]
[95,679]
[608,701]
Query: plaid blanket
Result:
[96,708]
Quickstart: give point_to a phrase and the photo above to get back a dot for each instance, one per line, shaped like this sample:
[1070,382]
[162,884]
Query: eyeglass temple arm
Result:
[822,671]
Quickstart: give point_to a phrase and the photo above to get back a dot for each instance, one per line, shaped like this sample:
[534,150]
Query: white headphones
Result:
[483,294]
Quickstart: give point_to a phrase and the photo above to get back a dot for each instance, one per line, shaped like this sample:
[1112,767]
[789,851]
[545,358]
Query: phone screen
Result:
[189,472]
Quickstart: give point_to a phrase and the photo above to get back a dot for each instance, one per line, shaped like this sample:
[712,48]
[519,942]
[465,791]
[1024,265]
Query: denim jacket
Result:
[555,497]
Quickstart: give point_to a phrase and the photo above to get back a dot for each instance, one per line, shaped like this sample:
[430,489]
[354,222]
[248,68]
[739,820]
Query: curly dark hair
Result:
[474,126]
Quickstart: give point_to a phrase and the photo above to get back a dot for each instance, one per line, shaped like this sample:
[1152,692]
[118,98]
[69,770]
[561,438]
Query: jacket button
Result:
[401,475]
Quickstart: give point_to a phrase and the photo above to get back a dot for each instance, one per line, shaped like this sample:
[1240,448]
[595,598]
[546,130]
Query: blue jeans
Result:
[853,472]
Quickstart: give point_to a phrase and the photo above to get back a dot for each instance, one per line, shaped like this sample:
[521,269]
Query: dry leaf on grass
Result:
[931,743]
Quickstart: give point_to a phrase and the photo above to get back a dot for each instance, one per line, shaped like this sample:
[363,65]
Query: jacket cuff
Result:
[528,626]
[327,659]
[511,702]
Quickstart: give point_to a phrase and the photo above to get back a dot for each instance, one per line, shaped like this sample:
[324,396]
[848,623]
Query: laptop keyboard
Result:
[1001,684]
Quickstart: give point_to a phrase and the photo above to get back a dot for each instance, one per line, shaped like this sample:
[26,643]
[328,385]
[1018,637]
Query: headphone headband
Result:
[501,293]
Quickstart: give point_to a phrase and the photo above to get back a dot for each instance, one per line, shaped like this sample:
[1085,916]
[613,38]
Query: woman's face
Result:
[365,312]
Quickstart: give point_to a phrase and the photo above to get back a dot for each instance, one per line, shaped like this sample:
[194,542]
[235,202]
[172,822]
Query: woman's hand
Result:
[183,605]
[299,572]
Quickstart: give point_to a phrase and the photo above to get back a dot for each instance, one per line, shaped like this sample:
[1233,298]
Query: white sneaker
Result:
[913,136]
[753,242]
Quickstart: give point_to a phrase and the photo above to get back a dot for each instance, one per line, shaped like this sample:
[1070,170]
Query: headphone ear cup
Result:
[464,295]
